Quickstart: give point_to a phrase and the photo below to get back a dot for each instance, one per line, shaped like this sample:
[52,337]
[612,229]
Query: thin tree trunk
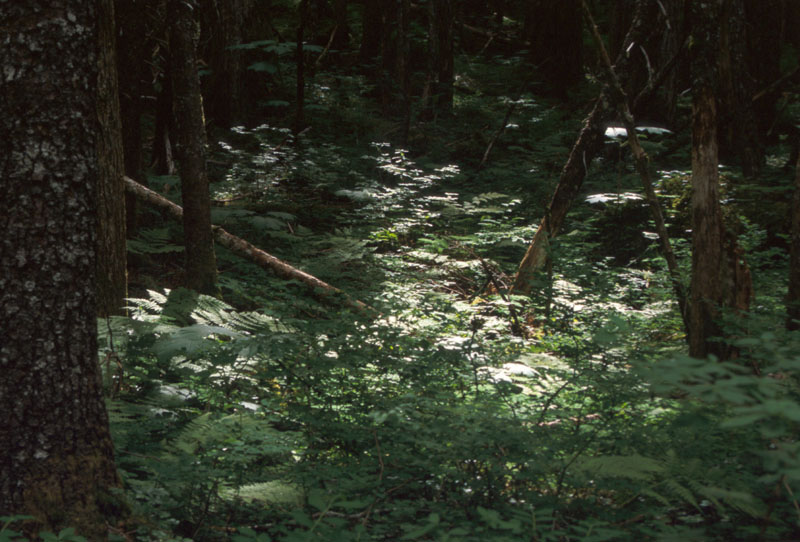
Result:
[112,284]
[131,29]
[201,266]
[738,130]
[249,251]
[793,302]
[56,455]
[371,31]
[438,93]
[163,162]
[300,92]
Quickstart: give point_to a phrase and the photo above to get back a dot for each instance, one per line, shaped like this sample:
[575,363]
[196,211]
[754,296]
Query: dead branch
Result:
[247,250]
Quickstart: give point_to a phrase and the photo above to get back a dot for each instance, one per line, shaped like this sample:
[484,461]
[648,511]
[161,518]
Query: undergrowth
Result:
[270,416]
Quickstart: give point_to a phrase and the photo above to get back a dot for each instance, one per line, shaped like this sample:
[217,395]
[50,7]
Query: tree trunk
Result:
[371,31]
[793,302]
[720,279]
[223,25]
[132,72]
[438,94]
[621,104]
[112,283]
[554,32]
[163,162]
[56,456]
[201,266]
[738,130]
[300,62]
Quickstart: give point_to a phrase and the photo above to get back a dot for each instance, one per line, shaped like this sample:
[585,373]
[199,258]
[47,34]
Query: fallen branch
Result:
[247,250]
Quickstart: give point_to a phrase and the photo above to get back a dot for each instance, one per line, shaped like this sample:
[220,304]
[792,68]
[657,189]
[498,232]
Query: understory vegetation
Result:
[449,411]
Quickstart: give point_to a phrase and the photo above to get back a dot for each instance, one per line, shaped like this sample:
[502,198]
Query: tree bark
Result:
[112,283]
[56,455]
[201,265]
[249,251]
[720,279]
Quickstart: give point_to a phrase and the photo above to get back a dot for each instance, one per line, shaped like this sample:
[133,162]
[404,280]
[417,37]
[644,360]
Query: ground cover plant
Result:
[428,397]
[457,413]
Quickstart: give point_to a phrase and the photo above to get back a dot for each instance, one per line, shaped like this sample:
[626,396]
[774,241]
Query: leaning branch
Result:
[620,100]
[249,251]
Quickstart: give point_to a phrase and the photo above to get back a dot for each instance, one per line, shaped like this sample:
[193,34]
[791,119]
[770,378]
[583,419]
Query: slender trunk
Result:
[793,302]
[163,162]
[371,31]
[738,130]
[438,94]
[223,25]
[201,267]
[300,91]
[112,284]
[131,72]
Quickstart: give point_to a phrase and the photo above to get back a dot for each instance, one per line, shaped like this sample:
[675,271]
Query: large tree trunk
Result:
[720,279]
[201,264]
[56,456]
[112,283]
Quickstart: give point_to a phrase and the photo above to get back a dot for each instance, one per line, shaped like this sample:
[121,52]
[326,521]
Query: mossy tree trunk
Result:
[112,284]
[201,266]
[56,456]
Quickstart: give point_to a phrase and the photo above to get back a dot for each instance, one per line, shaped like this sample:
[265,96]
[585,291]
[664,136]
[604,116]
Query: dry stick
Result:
[251,252]
[620,100]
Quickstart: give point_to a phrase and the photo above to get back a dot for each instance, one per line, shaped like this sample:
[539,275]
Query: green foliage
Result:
[8,535]
[459,412]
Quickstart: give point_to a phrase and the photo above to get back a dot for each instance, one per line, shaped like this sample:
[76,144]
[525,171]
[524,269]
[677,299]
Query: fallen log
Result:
[247,250]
